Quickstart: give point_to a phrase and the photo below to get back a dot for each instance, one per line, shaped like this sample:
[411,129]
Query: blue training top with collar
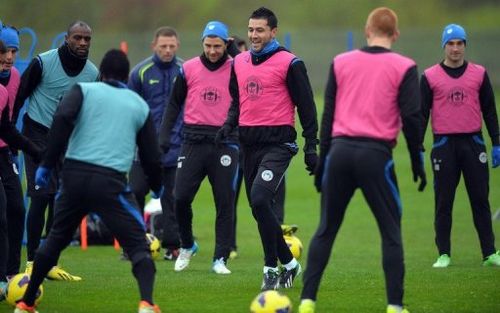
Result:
[153,80]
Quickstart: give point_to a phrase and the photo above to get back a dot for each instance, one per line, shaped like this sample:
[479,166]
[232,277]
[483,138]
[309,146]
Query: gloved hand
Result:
[418,169]
[318,173]
[222,134]
[157,194]
[495,156]
[42,176]
[311,160]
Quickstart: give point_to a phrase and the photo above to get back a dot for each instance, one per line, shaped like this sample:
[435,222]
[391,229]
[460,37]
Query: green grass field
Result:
[353,281]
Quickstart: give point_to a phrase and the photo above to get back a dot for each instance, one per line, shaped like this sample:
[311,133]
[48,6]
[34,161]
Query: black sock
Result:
[41,267]
[144,272]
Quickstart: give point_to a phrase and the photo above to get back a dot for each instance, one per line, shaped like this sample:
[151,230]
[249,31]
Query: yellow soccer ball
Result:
[17,287]
[271,301]
[295,245]
[154,246]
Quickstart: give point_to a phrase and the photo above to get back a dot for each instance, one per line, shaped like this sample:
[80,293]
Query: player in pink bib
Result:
[371,94]
[268,83]
[201,94]
[457,95]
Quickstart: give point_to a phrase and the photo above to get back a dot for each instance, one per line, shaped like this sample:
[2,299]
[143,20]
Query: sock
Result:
[291,265]
[41,267]
[144,272]
[267,268]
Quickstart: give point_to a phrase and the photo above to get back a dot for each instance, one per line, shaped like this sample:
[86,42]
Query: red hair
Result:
[383,22]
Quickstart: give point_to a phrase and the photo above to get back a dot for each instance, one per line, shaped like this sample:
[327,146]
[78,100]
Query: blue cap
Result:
[10,37]
[215,28]
[451,32]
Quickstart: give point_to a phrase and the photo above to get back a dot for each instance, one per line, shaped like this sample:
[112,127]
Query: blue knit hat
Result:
[453,31]
[215,28]
[10,37]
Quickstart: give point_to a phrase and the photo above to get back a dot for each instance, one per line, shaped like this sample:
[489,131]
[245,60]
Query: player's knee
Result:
[138,256]
[261,198]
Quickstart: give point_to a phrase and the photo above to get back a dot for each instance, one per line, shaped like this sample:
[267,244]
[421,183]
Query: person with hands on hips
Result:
[456,97]
[370,95]
[267,85]
[94,177]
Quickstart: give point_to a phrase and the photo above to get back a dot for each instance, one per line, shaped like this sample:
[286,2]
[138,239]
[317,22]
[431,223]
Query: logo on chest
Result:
[457,96]
[210,96]
[253,88]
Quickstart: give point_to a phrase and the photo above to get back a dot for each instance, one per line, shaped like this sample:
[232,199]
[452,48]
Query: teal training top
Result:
[54,84]
[106,128]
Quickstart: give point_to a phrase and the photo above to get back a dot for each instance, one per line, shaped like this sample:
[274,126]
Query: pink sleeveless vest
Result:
[208,98]
[264,97]
[455,104]
[4,98]
[367,90]
[12,87]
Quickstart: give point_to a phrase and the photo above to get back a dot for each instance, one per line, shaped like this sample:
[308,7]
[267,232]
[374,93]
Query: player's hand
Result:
[157,194]
[42,176]
[495,156]
[222,134]
[311,160]
[418,169]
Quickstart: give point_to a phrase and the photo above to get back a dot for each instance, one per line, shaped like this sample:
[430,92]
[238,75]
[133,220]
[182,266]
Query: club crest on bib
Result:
[457,96]
[210,96]
[253,88]
[267,175]
[225,160]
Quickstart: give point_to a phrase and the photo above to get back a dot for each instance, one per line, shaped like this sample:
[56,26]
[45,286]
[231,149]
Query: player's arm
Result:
[233,113]
[62,126]
[172,111]
[426,101]
[302,96]
[30,79]
[149,154]
[325,133]
[412,118]
[488,109]
[11,135]
[234,110]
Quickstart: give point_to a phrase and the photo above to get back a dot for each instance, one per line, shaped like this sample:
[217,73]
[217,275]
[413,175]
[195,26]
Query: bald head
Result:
[77,25]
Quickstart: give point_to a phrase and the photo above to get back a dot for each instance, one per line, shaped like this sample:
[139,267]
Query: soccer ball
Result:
[16,288]
[271,301]
[154,246]
[295,245]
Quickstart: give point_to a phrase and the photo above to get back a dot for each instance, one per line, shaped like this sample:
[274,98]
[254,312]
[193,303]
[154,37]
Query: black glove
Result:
[222,134]
[418,169]
[318,173]
[310,156]
[311,160]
